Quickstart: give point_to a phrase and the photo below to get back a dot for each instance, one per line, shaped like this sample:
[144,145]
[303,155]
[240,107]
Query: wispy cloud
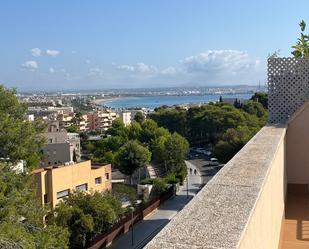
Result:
[52,53]
[219,61]
[139,69]
[51,70]
[36,52]
[30,66]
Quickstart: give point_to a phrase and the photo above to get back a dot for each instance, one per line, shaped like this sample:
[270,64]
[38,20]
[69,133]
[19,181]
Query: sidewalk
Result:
[151,225]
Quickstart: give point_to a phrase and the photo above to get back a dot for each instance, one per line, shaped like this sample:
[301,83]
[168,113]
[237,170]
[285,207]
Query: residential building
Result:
[125,117]
[101,119]
[65,119]
[74,141]
[52,125]
[39,111]
[60,148]
[56,182]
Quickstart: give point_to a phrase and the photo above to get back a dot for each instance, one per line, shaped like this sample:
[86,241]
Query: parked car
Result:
[214,161]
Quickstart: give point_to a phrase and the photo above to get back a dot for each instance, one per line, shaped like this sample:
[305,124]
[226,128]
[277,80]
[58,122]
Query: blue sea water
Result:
[152,102]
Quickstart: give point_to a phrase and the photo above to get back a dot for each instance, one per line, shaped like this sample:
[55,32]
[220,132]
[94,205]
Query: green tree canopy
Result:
[301,47]
[131,157]
[19,139]
[139,117]
[262,98]
[21,215]
[86,215]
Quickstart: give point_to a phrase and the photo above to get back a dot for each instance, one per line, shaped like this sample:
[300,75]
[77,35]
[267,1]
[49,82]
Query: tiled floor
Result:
[296,222]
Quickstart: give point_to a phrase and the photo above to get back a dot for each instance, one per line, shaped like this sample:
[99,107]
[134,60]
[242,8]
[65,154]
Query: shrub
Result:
[159,186]
[171,179]
[146,181]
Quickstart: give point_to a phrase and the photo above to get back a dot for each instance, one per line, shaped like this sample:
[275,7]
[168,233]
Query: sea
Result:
[151,102]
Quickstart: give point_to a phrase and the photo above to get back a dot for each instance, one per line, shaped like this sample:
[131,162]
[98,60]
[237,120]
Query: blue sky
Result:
[59,45]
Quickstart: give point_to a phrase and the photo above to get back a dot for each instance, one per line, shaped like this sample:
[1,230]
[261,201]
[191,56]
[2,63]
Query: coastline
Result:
[103,101]
[151,102]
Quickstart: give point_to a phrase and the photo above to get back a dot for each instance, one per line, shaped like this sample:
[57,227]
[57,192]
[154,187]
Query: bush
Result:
[146,181]
[159,186]
[171,179]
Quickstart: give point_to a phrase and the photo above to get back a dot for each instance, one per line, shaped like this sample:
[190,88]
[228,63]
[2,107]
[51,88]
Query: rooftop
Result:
[93,166]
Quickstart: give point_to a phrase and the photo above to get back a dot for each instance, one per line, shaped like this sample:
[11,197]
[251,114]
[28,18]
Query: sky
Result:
[100,44]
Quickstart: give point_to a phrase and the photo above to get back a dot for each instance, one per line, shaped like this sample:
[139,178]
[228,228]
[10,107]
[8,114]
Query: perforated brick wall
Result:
[288,87]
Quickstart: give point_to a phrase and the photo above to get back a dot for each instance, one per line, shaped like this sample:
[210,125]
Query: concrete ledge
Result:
[218,217]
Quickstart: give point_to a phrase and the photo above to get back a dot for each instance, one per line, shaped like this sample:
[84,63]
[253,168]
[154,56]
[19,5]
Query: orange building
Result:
[55,183]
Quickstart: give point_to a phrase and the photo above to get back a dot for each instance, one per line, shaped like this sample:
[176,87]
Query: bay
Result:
[151,102]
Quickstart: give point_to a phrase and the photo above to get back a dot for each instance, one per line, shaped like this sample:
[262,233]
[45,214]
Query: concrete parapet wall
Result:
[241,207]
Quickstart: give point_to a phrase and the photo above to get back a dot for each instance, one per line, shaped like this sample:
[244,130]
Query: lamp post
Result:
[132,230]
[187,185]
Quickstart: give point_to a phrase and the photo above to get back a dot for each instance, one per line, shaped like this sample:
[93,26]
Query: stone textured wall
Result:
[241,207]
[288,87]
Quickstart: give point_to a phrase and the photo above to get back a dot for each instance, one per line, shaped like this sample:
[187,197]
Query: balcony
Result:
[295,226]
[259,199]
[241,207]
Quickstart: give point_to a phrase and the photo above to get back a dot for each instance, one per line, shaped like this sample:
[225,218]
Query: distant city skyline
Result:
[79,45]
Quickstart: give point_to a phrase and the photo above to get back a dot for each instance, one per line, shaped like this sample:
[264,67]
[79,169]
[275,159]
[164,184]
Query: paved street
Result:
[206,171]
[151,225]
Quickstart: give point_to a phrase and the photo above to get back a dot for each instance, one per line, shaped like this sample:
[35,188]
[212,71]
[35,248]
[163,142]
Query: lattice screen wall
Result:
[288,87]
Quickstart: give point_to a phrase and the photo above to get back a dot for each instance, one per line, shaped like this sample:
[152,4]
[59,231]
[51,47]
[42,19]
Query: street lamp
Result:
[132,233]
[187,185]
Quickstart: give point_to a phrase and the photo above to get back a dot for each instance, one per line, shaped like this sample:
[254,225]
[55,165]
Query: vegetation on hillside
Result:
[21,215]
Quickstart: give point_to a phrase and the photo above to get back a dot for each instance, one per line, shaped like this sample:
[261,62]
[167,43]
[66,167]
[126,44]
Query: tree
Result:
[139,117]
[21,215]
[301,48]
[232,141]
[262,98]
[19,139]
[134,131]
[176,150]
[118,129]
[86,215]
[256,109]
[131,157]
[72,128]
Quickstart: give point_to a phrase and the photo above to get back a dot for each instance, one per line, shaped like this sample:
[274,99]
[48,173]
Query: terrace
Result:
[260,198]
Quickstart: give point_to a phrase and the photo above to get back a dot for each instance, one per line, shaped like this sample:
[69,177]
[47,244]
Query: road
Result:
[202,164]
[146,229]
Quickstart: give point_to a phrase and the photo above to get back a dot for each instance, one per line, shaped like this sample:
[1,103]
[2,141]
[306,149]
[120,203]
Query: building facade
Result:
[60,147]
[125,117]
[56,182]
[101,119]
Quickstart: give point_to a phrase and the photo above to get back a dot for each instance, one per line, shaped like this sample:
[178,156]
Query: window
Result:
[82,187]
[98,180]
[45,199]
[62,194]
[107,176]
